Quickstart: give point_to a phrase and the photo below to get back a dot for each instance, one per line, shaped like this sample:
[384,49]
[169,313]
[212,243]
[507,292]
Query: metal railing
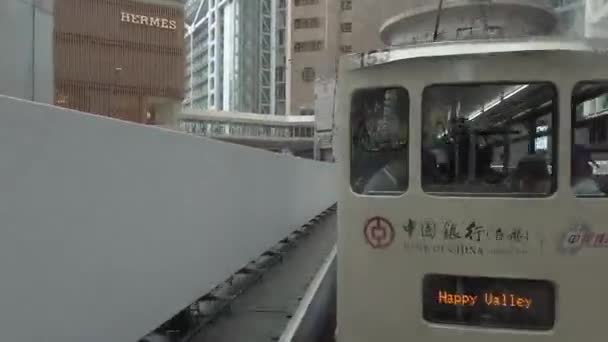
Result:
[210,128]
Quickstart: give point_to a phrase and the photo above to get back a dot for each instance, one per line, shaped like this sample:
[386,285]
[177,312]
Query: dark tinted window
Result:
[379,132]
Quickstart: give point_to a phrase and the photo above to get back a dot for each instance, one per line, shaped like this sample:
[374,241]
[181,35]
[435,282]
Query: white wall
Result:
[109,228]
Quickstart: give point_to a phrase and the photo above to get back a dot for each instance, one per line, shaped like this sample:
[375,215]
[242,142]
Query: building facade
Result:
[26,65]
[120,58]
[313,48]
[232,52]
[319,32]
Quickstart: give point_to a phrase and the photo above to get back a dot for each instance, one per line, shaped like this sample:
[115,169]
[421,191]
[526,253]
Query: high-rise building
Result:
[232,51]
[312,50]
[26,64]
[320,31]
[123,59]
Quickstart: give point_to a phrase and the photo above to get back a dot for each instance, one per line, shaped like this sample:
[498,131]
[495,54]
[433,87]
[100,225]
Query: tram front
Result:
[473,177]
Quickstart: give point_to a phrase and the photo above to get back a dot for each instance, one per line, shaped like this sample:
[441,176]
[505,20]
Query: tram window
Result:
[589,163]
[489,139]
[379,127]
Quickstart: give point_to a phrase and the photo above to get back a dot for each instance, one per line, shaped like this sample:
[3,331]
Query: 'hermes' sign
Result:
[162,23]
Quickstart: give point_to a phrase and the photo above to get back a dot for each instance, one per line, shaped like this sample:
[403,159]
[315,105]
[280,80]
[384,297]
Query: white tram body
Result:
[461,217]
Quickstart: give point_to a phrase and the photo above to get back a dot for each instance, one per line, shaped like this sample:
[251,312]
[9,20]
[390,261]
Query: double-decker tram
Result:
[473,188]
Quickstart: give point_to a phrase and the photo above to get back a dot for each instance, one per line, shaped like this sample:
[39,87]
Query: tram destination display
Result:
[489,302]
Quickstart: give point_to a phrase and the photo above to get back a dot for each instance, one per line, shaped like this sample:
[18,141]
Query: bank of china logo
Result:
[576,238]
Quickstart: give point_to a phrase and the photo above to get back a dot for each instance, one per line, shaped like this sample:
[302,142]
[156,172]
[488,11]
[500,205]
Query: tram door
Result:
[472,202]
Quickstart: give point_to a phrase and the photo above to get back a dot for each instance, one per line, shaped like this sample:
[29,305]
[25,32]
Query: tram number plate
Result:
[489,302]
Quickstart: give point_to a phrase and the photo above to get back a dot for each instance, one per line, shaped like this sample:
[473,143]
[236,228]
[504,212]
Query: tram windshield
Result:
[590,139]
[489,139]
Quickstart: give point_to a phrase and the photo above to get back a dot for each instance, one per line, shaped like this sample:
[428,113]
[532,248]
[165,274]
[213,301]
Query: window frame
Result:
[346,27]
[406,150]
[308,74]
[305,23]
[302,46]
[573,127]
[300,3]
[346,48]
[554,134]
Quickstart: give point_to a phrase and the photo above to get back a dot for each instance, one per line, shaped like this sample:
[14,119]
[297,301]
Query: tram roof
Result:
[470,47]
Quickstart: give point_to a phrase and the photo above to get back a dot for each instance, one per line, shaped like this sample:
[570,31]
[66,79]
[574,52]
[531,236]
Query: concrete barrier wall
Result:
[109,228]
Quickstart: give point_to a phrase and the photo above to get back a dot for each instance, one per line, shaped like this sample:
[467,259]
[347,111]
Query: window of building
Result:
[308,74]
[305,2]
[307,111]
[280,108]
[280,92]
[306,23]
[310,45]
[482,139]
[346,5]
[346,27]
[589,163]
[280,74]
[379,141]
[281,37]
[346,48]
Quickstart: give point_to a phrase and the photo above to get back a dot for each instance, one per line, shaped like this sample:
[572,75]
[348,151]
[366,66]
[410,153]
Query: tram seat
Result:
[532,175]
